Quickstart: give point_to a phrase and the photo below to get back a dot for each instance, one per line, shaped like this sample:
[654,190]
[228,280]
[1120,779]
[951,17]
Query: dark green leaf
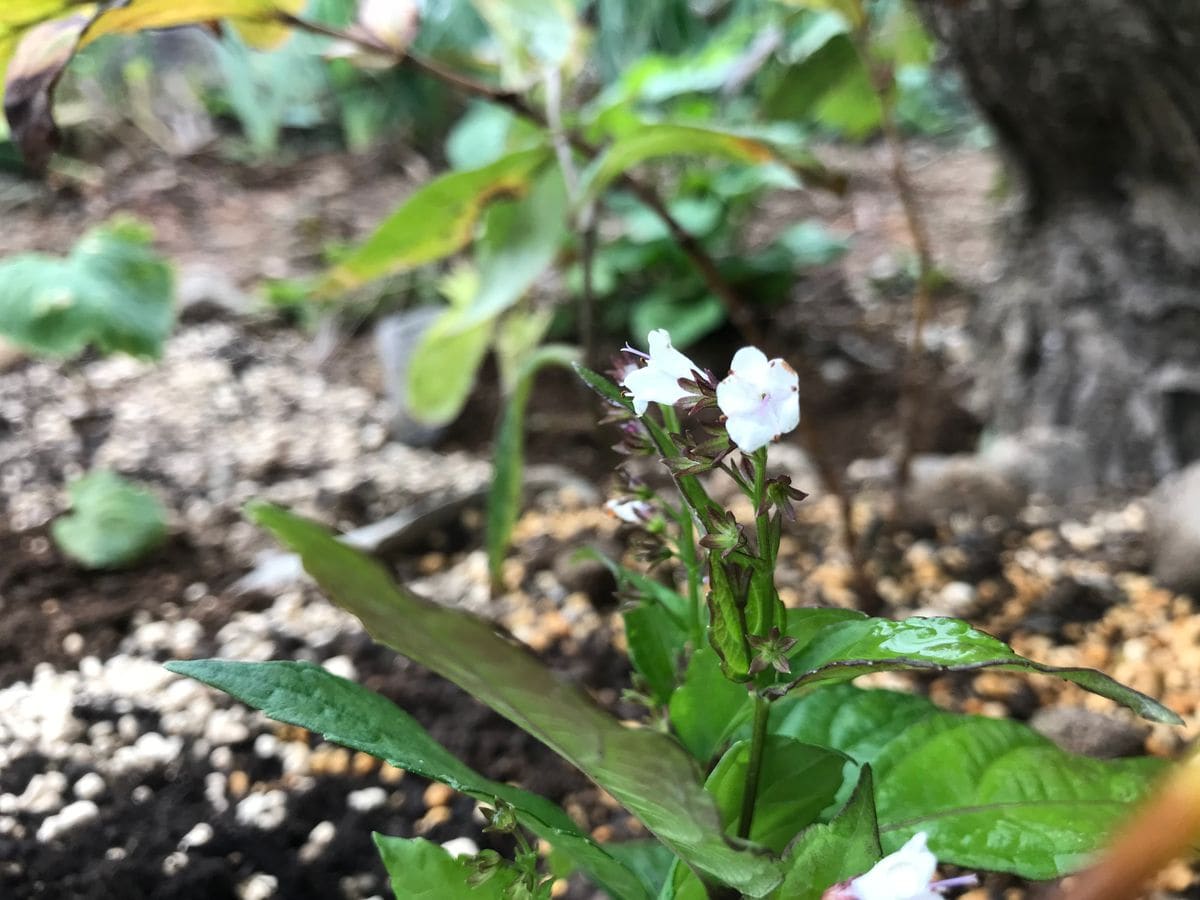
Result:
[797,783]
[603,387]
[348,714]
[112,292]
[504,498]
[825,854]
[991,793]
[707,707]
[112,522]
[421,870]
[845,650]
[644,770]
[726,625]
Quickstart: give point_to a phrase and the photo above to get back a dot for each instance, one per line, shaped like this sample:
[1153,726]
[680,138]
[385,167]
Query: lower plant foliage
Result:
[781,780]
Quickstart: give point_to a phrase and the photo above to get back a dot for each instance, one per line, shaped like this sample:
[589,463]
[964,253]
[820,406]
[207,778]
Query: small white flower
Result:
[904,875]
[658,380]
[635,512]
[760,399]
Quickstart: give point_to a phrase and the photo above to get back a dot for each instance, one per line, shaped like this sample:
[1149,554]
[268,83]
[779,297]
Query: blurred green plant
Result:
[112,522]
[113,293]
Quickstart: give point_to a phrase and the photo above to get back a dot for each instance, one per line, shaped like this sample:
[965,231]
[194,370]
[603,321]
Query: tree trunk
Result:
[1095,323]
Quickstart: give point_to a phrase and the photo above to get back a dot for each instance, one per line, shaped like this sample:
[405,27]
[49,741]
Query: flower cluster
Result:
[759,398]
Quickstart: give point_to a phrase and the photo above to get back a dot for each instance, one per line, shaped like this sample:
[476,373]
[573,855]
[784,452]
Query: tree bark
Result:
[1095,322]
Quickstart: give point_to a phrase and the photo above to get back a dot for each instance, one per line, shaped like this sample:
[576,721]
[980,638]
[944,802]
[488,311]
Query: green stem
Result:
[762,523]
[758,742]
[687,547]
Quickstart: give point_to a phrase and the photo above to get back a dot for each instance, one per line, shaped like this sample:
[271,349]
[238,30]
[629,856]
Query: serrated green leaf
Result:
[846,649]
[112,522]
[422,870]
[654,140]
[504,498]
[707,708]
[437,220]
[796,783]
[644,770]
[991,793]
[112,292]
[825,854]
[303,694]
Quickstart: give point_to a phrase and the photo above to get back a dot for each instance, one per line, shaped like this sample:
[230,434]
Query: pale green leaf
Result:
[422,870]
[112,522]
[442,370]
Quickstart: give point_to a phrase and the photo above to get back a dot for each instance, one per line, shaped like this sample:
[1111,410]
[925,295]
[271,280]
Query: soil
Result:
[1066,586]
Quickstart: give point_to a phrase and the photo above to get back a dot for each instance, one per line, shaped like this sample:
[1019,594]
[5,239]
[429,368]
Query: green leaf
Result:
[112,522]
[797,783]
[655,628]
[442,370]
[644,770]
[303,694]
[654,140]
[437,220]
[825,854]
[707,707]
[603,387]
[847,649]
[810,243]
[519,243]
[991,793]
[649,860]
[830,86]
[112,292]
[504,498]
[517,336]
[688,318]
[422,870]
[727,624]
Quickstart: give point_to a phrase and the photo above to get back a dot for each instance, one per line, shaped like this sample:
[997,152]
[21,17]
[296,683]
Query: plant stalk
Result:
[758,743]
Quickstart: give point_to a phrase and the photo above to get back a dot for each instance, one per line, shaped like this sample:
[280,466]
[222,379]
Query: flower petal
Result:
[750,433]
[903,875]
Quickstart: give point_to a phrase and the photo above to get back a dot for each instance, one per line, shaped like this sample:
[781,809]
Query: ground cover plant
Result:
[757,768]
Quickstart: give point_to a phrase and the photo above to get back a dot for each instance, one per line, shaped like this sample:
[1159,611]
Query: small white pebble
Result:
[44,793]
[72,644]
[72,815]
[200,835]
[342,666]
[461,846]
[174,862]
[258,886]
[214,791]
[367,799]
[141,794]
[115,854]
[318,839]
[265,746]
[89,786]
[266,810]
[225,726]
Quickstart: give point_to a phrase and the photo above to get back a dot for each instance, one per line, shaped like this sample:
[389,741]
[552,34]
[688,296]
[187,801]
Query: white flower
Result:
[658,380]
[635,512]
[904,875]
[760,399]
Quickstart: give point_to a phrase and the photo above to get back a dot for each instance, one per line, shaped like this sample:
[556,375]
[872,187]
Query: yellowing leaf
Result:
[38,60]
[265,35]
[437,220]
[139,15]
